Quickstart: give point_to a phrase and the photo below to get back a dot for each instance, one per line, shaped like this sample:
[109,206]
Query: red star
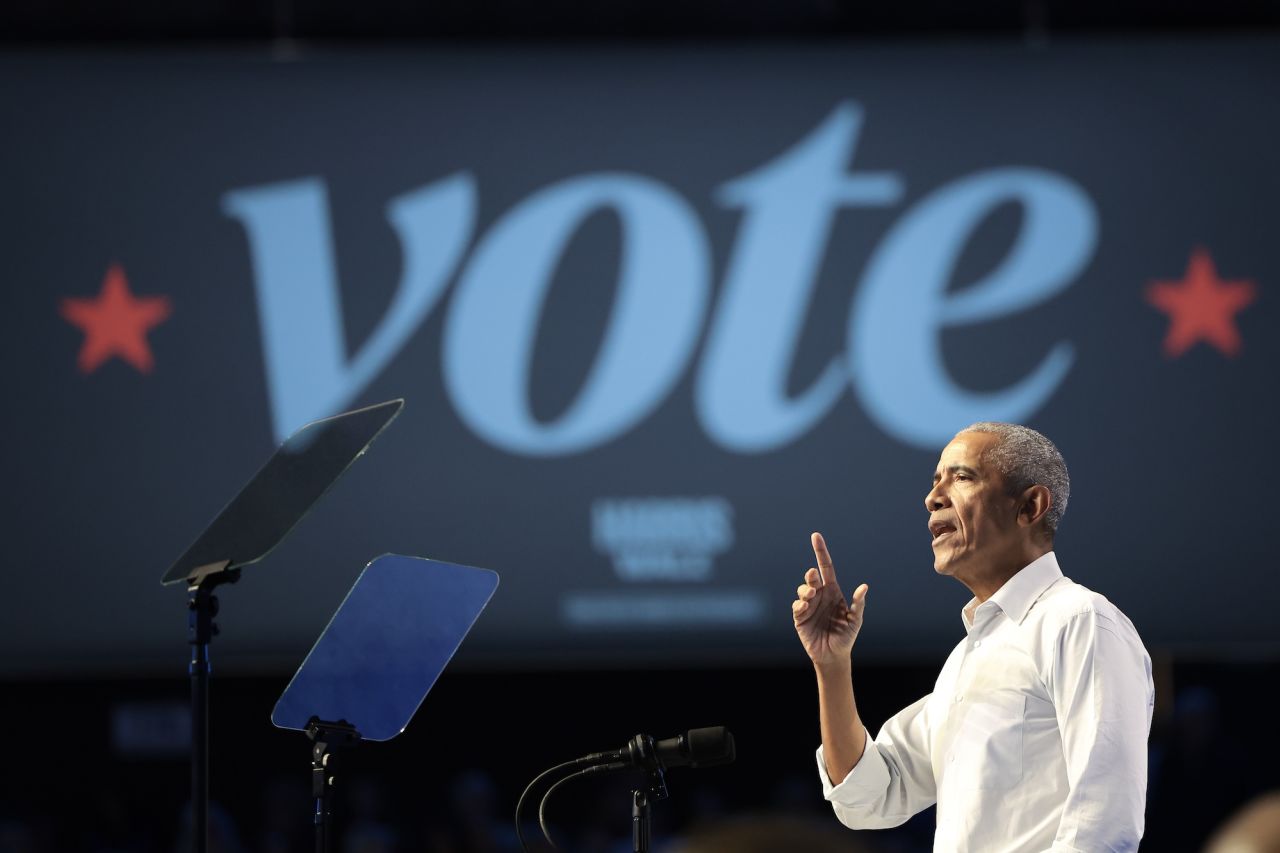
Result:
[1201,307]
[115,323]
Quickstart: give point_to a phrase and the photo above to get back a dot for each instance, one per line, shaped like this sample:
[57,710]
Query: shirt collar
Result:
[1020,591]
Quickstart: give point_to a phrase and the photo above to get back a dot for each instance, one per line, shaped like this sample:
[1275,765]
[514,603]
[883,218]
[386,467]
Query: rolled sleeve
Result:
[891,781]
[868,779]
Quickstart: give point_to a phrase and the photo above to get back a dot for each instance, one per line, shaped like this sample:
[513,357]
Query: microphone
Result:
[695,748]
[704,747]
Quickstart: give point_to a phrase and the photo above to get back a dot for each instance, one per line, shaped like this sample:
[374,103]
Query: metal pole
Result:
[640,821]
[203,605]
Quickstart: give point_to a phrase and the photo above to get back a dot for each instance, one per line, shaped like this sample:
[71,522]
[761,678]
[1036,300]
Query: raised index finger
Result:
[825,566]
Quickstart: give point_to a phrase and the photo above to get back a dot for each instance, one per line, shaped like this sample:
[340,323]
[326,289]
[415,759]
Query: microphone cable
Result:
[577,762]
[524,845]
[542,806]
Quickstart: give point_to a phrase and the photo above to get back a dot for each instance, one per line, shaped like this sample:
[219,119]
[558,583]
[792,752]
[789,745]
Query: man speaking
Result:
[1035,735]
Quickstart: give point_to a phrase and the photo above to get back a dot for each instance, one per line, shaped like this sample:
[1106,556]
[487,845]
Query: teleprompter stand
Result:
[256,520]
[381,653]
[202,607]
[326,739]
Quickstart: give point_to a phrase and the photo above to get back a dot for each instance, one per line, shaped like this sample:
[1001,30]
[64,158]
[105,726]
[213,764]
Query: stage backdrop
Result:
[656,313]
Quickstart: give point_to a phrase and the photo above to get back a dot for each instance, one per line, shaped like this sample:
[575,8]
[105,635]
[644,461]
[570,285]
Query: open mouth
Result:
[941,530]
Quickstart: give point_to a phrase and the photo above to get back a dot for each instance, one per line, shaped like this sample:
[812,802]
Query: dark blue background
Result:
[125,156]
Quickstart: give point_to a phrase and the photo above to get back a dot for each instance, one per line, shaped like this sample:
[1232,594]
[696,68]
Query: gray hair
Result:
[1025,458]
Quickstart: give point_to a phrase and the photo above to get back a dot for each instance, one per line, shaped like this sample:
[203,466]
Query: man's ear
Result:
[1033,505]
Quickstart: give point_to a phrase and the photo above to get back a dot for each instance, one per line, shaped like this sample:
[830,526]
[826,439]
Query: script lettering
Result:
[657,315]
[299,309]
[894,350]
[790,202]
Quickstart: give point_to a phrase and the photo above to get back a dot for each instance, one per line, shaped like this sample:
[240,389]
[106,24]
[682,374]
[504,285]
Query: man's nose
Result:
[936,499]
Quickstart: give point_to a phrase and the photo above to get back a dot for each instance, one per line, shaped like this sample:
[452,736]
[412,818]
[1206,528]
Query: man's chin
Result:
[944,564]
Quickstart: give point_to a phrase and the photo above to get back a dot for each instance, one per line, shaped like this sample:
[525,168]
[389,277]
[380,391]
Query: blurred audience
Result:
[17,836]
[224,836]
[475,820]
[285,825]
[771,833]
[367,829]
[1199,774]
[1211,791]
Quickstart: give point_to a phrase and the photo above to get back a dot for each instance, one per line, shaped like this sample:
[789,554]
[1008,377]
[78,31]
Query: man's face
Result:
[973,521]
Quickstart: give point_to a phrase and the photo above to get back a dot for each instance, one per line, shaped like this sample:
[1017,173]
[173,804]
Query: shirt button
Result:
[977,644]
[959,699]
[951,759]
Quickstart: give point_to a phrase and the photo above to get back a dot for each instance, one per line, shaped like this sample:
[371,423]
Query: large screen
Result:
[657,313]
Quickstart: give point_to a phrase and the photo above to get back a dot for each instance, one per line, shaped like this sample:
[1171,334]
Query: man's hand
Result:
[826,624]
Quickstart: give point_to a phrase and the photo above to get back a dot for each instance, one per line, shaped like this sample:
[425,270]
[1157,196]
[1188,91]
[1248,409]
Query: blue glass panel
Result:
[383,650]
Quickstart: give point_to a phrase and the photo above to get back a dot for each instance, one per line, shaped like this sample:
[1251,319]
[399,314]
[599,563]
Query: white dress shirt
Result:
[1035,735]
